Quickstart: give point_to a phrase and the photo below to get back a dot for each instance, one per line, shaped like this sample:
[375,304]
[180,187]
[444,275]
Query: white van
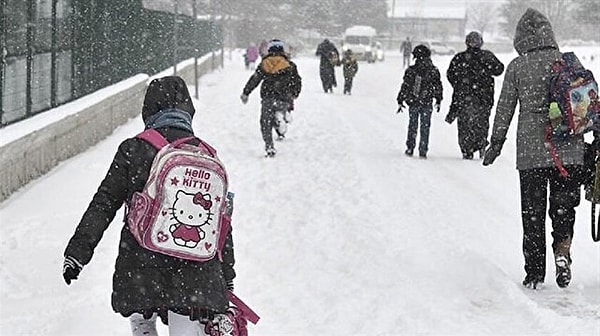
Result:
[361,40]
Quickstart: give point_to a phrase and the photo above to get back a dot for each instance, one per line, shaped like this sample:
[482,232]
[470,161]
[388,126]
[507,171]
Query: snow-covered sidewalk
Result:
[340,234]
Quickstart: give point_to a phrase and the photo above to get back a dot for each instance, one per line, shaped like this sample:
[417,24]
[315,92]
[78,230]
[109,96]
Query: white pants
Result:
[179,325]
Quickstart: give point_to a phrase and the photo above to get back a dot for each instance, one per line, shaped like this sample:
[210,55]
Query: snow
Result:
[449,9]
[340,234]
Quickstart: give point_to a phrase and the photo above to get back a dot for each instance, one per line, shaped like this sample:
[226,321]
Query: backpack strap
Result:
[553,153]
[154,138]
[247,312]
[157,140]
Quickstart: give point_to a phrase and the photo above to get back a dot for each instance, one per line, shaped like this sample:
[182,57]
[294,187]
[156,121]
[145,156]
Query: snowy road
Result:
[340,234]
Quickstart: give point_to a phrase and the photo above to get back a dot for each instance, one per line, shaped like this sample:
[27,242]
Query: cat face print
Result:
[192,209]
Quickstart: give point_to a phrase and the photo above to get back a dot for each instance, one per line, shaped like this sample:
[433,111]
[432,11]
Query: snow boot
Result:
[563,271]
[409,151]
[270,152]
[533,281]
[562,261]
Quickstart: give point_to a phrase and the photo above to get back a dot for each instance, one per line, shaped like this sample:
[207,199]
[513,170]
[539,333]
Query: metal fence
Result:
[55,51]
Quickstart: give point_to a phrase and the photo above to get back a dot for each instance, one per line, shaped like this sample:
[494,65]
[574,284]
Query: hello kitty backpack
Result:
[182,210]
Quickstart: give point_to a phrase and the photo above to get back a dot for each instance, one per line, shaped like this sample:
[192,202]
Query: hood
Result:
[275,63]
[169,92]
[421,52]
[533,31]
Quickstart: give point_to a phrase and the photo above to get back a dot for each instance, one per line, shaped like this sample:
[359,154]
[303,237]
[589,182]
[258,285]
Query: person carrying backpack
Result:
[148,284]
[420,86]
[526,83]
[350,68]
[471,75]
[281,83]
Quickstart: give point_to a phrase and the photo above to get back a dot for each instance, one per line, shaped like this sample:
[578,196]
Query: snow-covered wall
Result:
[31,148]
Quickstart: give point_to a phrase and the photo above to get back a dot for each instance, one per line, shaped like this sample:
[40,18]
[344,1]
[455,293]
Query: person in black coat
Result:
[406,49]
[471,74]
[147,284]
[420,86]
[281,84]
[330,57]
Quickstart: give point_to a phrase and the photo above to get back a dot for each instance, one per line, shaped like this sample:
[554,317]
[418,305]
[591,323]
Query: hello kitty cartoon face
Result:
[192,209]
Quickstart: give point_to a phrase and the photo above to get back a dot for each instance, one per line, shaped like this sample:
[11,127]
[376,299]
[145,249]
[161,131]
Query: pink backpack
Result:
[181,211]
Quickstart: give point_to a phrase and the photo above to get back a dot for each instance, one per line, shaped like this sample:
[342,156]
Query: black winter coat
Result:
[329,54]
[430,86]
[145,281]
[279,77]
[471,75]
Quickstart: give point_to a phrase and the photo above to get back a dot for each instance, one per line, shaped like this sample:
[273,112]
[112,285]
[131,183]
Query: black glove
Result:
[493,151]
[71,269]
[400,107]
[437,107]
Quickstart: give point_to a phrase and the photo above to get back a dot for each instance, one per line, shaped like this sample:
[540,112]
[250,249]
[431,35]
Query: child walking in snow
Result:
[349,68]
[281,83]
[147,284]
[420,86]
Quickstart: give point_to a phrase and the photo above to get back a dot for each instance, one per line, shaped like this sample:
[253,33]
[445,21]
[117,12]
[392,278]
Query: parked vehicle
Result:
[361,40]
[439,48]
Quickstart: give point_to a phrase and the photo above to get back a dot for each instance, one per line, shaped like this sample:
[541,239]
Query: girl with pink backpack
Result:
[187,295]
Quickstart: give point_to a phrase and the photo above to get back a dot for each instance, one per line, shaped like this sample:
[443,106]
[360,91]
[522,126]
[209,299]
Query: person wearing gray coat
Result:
[527,82]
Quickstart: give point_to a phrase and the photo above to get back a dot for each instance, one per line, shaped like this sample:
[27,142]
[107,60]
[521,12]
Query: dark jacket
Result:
[526,83]
[430,84]
[471,75]
[349,65]
[329,54]
[279,77]
[406,48]
[145,281]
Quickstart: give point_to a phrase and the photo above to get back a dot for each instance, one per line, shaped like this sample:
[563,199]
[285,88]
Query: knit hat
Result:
[167,92]
[474,40]
[276,46]
[421,51]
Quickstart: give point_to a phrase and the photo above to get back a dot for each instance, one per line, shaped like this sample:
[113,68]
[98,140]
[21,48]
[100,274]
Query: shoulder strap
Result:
[157,140]
[153,137]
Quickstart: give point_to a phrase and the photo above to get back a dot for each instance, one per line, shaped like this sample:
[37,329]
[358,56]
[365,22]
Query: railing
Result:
[56,51]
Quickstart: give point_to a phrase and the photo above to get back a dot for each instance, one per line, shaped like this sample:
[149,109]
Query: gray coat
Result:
[527,82]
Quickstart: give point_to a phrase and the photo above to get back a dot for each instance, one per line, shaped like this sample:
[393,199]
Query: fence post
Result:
[29,56]
[175,39]
[195,44]
[3,54]
[53,70]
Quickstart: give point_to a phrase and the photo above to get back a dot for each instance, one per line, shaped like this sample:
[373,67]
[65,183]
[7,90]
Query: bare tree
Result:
[559,12]
[482,16]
